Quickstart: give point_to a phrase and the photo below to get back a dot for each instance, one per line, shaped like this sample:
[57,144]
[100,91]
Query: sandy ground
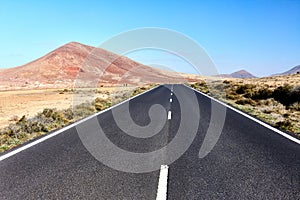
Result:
[15,104]
[274,81]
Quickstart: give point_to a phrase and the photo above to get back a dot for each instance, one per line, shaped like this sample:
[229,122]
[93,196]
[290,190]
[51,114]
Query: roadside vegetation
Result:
[24,129]
[275,100]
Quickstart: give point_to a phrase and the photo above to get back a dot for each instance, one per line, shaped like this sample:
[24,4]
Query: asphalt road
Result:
[249,161]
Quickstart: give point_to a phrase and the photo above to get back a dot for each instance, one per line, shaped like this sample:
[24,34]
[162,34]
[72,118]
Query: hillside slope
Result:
[79,65]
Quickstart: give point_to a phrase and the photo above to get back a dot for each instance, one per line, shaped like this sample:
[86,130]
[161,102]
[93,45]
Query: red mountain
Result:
[83,66]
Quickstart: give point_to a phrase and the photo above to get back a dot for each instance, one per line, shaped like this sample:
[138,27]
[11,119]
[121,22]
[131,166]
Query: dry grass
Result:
[14,104]
[77,105]
[275,100]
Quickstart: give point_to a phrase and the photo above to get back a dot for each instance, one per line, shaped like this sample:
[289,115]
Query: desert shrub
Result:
[227,82]
[231,96]
[24,129]
[267,111]
[65,90]
[295,106]
[101,104]
[83,110]
[245,101]
[287,95]
[295,94]
[53,115]
[20,130]
[248,93]
[33,127]
[263,93]
[200,86]
[219,87]
[242,89]
[68,113]
[22,120]
[281,94]
[138,91]
[267,102]
[120,96]
[285,115]
[284,125]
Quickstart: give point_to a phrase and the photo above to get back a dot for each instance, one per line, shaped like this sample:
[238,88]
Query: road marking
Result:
[13,152]
[170,100]
[171,93]
[169,115]
[250,117]
[162,183]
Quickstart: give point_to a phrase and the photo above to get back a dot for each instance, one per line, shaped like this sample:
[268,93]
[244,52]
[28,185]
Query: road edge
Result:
[56,132]
[250,117]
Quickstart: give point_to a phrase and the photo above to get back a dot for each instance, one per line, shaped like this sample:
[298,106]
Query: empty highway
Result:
[248,161]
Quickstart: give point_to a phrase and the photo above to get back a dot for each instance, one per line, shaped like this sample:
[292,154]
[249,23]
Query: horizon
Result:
[259,37]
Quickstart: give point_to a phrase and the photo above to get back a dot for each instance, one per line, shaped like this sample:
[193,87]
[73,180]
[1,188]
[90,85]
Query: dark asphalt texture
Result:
[249,161]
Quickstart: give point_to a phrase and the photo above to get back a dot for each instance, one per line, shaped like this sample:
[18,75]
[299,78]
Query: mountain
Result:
[79,65]
[294,70]
[238,74]
[242,74]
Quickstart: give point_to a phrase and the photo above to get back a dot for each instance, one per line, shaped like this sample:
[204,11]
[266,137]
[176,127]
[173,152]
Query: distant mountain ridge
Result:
[238,74]
[242,74]
[294,70]
[245,74]
[79,65]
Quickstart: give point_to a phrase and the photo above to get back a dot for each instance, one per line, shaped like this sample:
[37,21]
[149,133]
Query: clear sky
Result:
[262,37]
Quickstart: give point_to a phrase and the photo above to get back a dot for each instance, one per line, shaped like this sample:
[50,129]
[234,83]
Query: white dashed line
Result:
[169,115]
[171,100]
[171,93]
[162,183]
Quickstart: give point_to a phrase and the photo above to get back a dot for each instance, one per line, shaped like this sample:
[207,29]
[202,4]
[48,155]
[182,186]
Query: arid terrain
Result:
[275,100]
[76,80]
[28,114]
[15,104]
[67,84]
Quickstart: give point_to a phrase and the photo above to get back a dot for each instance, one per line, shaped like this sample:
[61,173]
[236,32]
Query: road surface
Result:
[249,161]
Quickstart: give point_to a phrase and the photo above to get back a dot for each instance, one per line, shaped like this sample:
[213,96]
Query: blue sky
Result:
[262,37]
